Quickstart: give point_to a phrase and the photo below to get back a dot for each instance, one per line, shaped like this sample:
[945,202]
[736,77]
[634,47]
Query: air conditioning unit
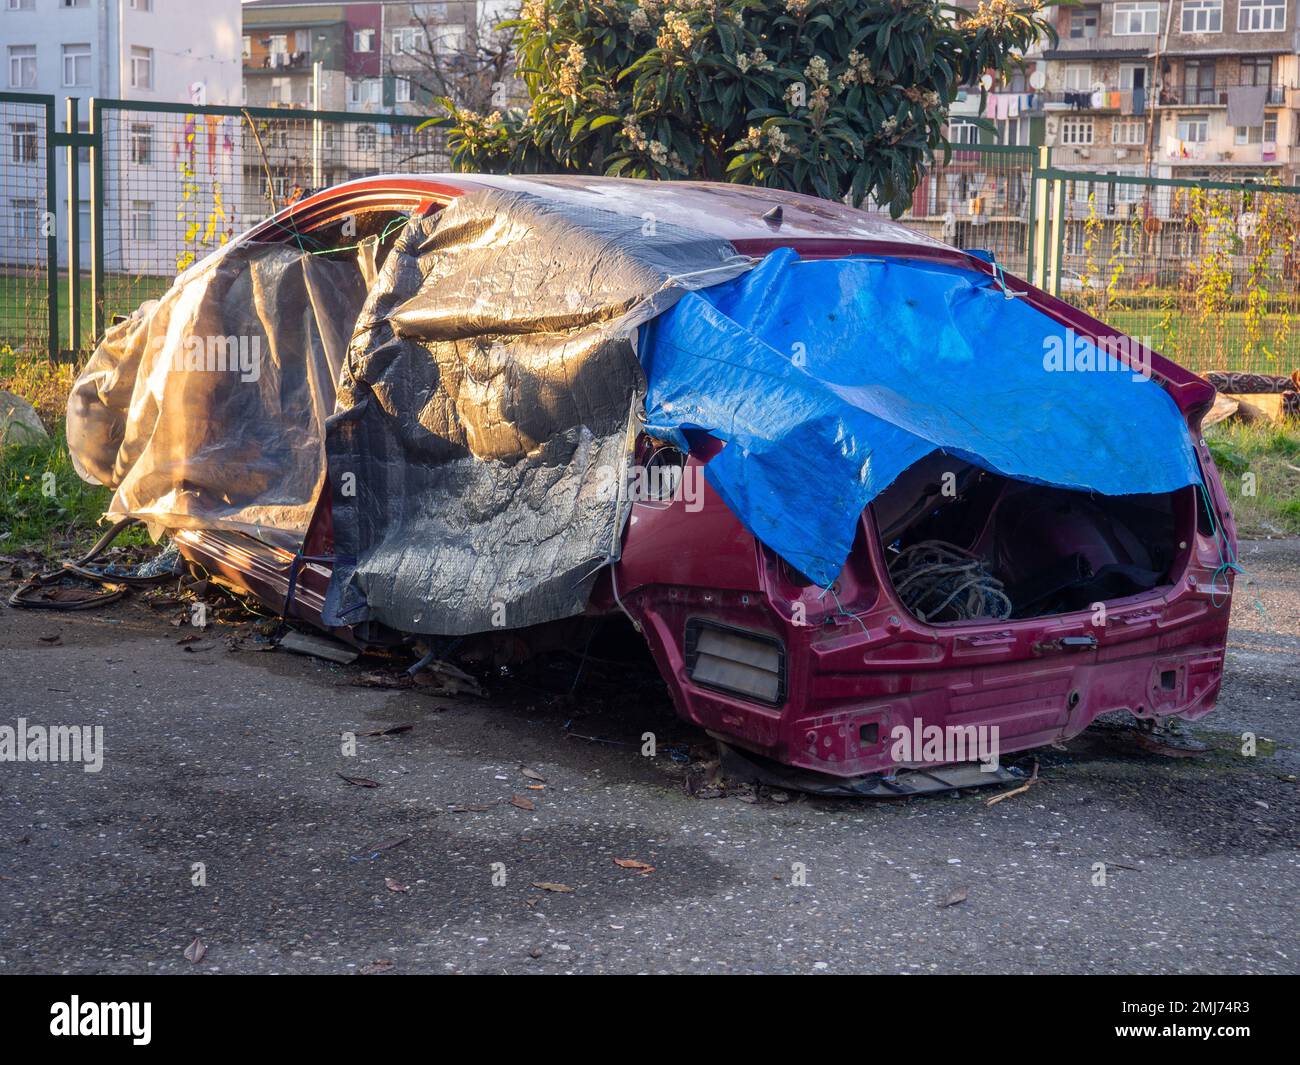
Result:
[1123,210]
[1084,153]
[1121,153]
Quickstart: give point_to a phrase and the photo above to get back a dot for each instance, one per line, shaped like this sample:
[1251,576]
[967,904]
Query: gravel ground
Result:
[227,764]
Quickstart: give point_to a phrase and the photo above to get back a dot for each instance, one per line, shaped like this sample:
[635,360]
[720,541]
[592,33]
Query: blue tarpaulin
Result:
[827,378]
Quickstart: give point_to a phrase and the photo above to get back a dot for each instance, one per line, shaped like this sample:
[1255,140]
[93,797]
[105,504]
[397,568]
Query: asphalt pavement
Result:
[526,832]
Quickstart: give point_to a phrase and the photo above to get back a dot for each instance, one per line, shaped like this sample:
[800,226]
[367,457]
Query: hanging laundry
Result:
[1246,105]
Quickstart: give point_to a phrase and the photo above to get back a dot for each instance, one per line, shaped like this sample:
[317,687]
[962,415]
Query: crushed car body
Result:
[844,479]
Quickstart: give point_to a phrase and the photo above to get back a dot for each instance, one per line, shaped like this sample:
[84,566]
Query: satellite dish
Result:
[1037,79]
[986,82]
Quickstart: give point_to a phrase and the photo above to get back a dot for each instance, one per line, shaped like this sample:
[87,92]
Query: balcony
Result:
[277,62]
[1213,95]
[1109,100]
[1104,45]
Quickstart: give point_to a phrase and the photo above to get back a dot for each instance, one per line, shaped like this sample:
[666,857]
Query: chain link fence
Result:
[180,182]
[1207,274]
[28,241]
[980,199]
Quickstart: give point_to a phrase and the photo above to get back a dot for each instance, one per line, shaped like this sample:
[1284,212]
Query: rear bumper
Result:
[850,691]
[854,675]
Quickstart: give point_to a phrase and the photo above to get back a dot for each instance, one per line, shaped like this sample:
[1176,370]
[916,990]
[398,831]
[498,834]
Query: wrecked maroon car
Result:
[858,490]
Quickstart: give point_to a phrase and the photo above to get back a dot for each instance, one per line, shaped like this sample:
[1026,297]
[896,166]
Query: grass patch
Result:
[45,506]
[1260,467]
[45,385]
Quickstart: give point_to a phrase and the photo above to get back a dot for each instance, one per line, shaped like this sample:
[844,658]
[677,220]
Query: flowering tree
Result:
[840,98]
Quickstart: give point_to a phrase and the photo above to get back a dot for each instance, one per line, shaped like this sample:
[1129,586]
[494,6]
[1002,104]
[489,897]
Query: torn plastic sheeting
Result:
[489,405]
[206,408]
[828,378]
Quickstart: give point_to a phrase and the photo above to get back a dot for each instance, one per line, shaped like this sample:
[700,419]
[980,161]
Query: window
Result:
[142,220]
[402,90]
[362,91]
[277,43]
[1132,19]
[1083,23]
[1076,131]
[1128,133]
[1195,129]
[141,144]
[248,47]
[76,64]
[281,91]
[1256,70]
[408,39]
[1198,82]
[1202,16]
[363,40]
[1078,77]
[74,3]
[1132,76]
[22,5]
[22,66]
[1012,131]
[450,40]
[1257,134]
[24,141]
[141,67]
[1259,16]
[960,132]
[27,219]
[365,138]
[141,5]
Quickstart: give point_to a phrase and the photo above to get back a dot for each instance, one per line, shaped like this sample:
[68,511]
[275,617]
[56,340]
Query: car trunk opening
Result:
[963,544]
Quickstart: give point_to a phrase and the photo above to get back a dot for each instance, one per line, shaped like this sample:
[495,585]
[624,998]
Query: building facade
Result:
[147,50]
[379,58]
[1181,88]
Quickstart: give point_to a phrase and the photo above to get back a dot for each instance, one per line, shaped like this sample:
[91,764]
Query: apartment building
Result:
[148,50]
[378,58]
[1186,88]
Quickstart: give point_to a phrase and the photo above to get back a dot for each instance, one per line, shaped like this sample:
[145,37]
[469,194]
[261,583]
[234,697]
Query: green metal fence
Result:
[981,198]
[171,182]
[28,235]
[1207,271]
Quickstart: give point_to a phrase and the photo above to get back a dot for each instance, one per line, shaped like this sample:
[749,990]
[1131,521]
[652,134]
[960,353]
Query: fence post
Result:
[74,229]
[1052,283]
[52,228]
[317,132]
[1039,211]
[96,220]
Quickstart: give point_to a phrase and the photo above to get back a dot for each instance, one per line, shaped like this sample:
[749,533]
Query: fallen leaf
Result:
[523,802]
[360,782]
[644,868]
[395,885]
[955,896]
[532,774]
[196,951]
[391,730]
[544,885]
[54,638]
[379,965]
